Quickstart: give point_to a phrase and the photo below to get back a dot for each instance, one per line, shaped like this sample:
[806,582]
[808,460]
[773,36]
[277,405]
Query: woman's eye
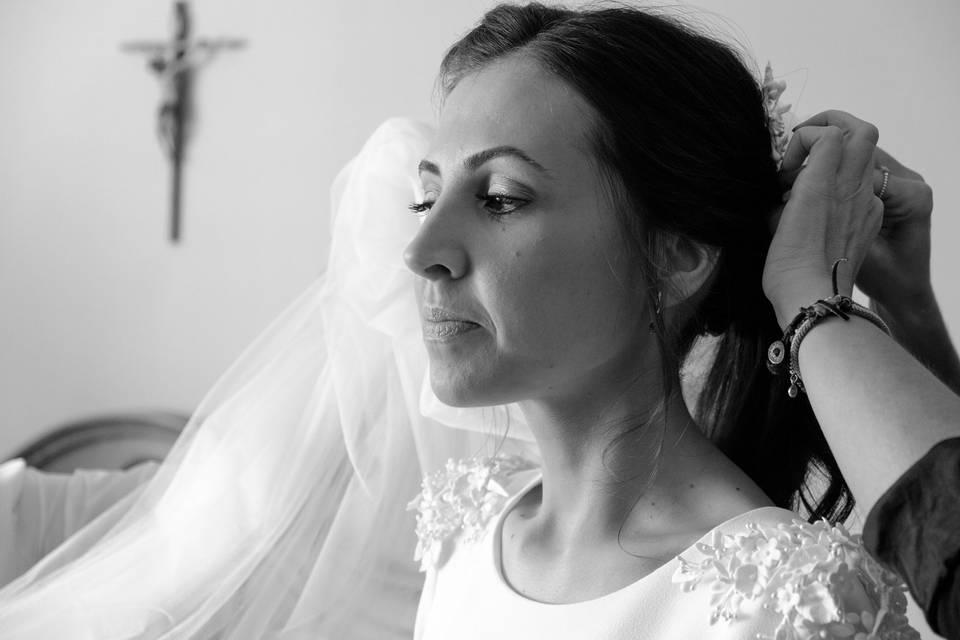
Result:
[500,205]
[495,204]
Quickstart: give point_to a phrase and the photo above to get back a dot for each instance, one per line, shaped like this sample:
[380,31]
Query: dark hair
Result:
[682,138]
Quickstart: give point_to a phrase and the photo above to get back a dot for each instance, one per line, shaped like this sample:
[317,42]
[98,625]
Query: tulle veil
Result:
[281,510]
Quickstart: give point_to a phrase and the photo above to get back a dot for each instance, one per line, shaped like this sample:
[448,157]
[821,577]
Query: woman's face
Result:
[526,290]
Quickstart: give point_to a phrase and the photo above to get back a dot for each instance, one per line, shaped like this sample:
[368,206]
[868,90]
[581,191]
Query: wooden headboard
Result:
[106,442]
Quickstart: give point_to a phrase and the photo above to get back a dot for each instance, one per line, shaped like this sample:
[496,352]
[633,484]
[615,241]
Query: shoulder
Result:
[813,580]
[460,499]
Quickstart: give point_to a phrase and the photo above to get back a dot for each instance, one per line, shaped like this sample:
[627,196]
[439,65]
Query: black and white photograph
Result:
[469,320]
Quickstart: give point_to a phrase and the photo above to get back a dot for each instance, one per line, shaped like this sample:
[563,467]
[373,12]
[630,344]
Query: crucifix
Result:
[175,63]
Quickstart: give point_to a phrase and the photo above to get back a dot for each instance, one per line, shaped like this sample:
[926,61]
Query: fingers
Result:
[895,166]
[903,198]
[823,145]
[831,210]
[844,120]
[859,144]
[881,191]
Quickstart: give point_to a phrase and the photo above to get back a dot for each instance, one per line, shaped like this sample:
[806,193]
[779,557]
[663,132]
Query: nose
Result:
[437,251]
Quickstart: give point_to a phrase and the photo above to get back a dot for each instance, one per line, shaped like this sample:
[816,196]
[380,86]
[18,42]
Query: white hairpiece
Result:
[777,115]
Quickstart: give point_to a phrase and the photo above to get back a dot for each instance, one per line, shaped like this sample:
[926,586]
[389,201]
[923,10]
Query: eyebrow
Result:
[480,158]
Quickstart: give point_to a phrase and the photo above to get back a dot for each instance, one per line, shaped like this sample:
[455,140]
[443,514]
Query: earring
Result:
[657,308]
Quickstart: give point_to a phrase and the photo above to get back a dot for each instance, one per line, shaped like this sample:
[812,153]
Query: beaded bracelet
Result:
[837,305]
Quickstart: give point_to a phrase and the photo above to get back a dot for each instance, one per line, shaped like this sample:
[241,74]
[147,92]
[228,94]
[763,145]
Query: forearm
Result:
[920,329]
[879,408]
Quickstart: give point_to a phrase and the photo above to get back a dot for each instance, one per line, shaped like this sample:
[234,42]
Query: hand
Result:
[831,212]
[896,272]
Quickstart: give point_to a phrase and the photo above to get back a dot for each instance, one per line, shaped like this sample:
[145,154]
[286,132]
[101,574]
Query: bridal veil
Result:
[281,510]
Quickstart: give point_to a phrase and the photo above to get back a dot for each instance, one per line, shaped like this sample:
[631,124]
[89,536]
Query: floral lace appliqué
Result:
[461,497]
[816,577]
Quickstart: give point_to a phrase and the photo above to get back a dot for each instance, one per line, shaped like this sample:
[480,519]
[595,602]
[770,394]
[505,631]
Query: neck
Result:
[606,446]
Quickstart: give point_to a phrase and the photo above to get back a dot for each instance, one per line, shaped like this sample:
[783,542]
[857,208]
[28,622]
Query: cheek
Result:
[558,297]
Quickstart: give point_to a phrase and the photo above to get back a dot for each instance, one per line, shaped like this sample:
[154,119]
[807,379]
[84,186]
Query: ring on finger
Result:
[886,179]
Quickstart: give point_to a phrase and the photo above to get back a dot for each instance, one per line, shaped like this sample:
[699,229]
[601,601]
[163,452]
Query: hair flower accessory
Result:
[778,115]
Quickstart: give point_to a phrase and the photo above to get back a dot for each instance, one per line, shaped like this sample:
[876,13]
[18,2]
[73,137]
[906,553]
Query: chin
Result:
[454,395]
[455,389]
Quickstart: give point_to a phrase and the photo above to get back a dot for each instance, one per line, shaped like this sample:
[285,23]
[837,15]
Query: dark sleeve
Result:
[914,529]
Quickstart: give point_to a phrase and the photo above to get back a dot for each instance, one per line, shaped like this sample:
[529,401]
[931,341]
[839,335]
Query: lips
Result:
[440,325]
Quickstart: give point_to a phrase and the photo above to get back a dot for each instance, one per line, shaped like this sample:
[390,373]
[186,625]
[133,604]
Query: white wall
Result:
[100,313]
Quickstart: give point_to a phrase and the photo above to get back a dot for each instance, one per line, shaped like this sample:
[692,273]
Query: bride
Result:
[595,173]
[596,197]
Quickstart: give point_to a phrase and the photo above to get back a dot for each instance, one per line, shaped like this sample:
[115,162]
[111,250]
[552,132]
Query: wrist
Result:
[788,302]
[846,309]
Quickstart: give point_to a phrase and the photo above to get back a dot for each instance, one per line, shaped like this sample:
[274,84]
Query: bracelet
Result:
[837,305]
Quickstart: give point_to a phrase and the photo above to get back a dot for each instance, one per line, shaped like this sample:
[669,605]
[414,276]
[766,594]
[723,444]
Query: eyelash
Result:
[421,208]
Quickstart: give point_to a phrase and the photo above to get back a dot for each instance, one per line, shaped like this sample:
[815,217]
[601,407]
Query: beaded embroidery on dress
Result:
[816,578]
[463,496]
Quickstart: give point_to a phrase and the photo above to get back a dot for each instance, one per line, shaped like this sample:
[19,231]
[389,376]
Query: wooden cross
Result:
[175,63]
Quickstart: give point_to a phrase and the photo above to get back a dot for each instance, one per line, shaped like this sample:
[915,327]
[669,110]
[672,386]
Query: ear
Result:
[691,265]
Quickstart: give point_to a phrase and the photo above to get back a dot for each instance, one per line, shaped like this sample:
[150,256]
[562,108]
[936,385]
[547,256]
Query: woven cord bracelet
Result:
[837,305]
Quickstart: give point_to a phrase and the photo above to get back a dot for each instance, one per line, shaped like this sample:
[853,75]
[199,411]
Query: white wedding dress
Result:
[762,574]
[282,510]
